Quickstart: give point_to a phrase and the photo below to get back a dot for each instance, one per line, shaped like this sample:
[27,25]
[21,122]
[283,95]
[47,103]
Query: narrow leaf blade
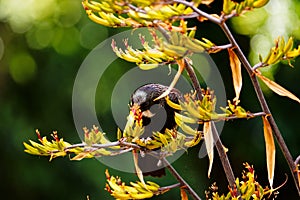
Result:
[270,150]
[183,194]
[235,65]
[209,143]
[137,168]
[277,88]
[181,66]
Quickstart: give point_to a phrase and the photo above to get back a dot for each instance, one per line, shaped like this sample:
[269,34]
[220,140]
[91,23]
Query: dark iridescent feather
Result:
[144,97]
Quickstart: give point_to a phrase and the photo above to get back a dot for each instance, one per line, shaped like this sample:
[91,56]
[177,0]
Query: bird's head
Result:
[143,99]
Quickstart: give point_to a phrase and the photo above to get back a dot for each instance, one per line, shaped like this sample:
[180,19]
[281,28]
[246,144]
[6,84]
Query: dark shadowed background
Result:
[42,45]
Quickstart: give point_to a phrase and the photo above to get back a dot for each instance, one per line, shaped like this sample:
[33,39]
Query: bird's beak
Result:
[147,113]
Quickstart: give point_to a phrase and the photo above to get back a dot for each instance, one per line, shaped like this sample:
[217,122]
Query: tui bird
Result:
[156,115]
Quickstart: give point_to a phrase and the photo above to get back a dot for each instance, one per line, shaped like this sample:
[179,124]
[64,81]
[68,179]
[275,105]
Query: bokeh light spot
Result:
[66,41]
[92,34]
[68,13]
[41,36]
[250,22]
[22,68]
[22,16]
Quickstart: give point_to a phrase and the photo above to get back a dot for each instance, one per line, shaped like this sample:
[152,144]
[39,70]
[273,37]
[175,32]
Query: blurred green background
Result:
[42,45]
